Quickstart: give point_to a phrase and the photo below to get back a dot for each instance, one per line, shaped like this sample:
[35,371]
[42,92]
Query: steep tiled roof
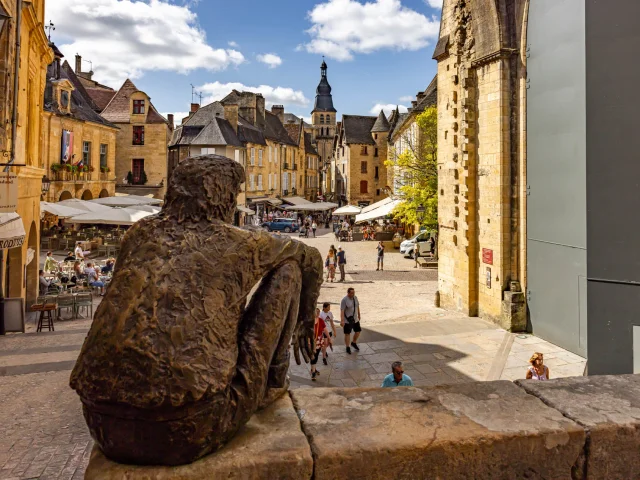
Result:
[293,130]
[357,129]
[308,145]
[100,96]
[275,130]
[382,124]
[249,133]
[207,126]
[291,118]
[118,109]
[82,107]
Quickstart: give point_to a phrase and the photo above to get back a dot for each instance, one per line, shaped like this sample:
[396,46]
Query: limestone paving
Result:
[43,434]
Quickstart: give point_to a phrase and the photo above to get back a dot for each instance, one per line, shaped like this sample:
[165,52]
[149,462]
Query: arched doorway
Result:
[87,195]
[65,196]
[104,193]
[33,266]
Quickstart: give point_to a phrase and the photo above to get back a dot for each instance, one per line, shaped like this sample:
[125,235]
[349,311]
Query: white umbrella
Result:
[127,201]
[84,205]
[313,207]
[347,210]
[61,211]
[113,216]
[146,208]
[379,212]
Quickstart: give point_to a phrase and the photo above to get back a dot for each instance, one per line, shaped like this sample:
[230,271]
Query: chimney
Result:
[231,115]
[78,64]
[260,121]
[170,118]
[278,110]
[195,107]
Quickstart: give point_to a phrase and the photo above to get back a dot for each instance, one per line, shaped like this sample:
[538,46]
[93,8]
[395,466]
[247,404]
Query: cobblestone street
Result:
[43,434]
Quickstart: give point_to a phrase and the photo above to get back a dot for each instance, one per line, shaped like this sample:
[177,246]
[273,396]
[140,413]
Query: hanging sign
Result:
[8,192]
[487,256]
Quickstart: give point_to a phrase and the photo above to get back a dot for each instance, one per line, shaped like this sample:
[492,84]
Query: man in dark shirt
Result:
[342,261]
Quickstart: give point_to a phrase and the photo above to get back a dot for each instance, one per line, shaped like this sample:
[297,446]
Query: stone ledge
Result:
[270,446]
[608,407]
[473,430]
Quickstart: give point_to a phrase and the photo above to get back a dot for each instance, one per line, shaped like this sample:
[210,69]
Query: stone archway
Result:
[33,266]
[87,195]
[104,193]
[65,196]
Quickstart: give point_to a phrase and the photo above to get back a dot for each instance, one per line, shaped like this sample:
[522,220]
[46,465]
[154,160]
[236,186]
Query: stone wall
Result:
[573,428]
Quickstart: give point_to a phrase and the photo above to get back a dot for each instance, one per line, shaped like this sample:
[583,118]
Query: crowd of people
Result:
[73,271]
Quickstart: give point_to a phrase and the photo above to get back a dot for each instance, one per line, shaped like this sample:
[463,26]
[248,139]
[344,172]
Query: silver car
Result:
[407,248]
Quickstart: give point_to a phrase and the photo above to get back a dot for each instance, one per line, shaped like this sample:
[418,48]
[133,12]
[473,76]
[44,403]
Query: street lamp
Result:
[46,185]
[420,211]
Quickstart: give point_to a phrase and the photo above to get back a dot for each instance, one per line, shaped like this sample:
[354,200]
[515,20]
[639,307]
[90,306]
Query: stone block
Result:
[270,446]
[608,407]
[475,430]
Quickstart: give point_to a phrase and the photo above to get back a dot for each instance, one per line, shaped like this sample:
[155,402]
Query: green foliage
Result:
[56,167]
[143,178]
[418,164]
[130,177]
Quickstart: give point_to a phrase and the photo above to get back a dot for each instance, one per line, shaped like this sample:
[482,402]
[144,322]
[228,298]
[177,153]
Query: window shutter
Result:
[260,157]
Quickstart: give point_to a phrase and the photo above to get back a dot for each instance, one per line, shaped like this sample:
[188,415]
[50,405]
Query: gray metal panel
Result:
[556,172]
[555,275]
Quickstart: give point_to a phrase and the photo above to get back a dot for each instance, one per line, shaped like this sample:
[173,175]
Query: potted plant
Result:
[130,178]
[91,168]
[105,169]
[67,167]
[56,167]
[143,178]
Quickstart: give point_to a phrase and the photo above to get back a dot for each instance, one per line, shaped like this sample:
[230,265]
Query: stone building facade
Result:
[307,161]
[324,121]
[74,135]
[359,158]
[481,56]
[22,121]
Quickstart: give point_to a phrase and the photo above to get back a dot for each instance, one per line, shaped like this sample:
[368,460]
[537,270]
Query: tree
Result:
[417,167]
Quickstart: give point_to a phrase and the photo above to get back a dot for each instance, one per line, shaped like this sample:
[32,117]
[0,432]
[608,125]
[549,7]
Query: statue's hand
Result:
[303,342]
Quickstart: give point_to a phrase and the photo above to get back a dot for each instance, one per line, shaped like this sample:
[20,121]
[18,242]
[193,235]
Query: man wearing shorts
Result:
[350,319]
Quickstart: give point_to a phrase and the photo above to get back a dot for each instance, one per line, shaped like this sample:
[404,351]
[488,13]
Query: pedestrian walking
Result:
[416,254]
[330,264]
[350,319]
[397,378]
[538,370]
[380,249]
[342,261]
[329,332]
[319,328]
[314,226]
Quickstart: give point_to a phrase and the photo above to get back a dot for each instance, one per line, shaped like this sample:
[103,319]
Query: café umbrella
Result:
[84,205]
[113,216]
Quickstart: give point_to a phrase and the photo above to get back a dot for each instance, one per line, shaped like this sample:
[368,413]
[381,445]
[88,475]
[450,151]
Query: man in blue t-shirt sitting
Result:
[397,378]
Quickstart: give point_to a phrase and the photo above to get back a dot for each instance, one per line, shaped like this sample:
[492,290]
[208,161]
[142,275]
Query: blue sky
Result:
[378,52]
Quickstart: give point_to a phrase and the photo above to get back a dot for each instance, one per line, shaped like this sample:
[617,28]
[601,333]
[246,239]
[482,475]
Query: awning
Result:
[379,212]
[146,208]
[313,207]
[347,210]
[275,201]
[295,200]
[379,204]
[84,205]
[11,230]
[60,211]
[127,201]
[113,216]
[243,209]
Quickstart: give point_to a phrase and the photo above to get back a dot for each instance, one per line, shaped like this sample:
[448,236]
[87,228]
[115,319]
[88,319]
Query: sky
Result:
[378,52]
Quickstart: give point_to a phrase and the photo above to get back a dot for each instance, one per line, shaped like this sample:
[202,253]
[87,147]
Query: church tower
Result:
[323,118]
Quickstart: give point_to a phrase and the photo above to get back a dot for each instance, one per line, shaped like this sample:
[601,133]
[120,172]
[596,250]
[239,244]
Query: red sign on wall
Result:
[487,256]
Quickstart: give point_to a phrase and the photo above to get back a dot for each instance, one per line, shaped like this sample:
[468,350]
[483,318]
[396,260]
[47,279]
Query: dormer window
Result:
[64,99]
[138,107]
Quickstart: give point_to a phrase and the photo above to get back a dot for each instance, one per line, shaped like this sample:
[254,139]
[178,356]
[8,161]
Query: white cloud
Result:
[272,95]
[407,98]
[177,117]
[126,38]
[387,108]
[233,44]
[434,3]
[342,28]
[270,59]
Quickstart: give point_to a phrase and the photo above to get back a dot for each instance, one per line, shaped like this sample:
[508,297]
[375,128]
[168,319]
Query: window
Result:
[363,150]
[86,153]
[376,175]
[270,182]
[378,192]
[103,155]
[260,157]
[270,149]
[363,167]
[260,179]
[253,156]
[137,169]
[275,181]
[237,155]
[328,118]
[138,107]
[364,186]
[251,182]
[375,135]
[375,152]
[293,180]
[285,181]
[321,119]
[138,135]
[207,151]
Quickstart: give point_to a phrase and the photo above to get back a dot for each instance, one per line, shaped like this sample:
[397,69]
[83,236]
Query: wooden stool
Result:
[45,311]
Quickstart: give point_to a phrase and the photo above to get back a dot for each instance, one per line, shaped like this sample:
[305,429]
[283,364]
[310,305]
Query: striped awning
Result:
[11,230]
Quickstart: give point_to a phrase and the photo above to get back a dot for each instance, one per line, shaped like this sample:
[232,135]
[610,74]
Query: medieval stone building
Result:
[323,118]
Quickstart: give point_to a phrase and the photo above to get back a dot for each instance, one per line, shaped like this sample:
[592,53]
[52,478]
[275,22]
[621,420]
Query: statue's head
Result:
[204,187]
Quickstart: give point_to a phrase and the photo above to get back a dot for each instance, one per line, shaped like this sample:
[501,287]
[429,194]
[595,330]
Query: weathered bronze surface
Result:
[174,364]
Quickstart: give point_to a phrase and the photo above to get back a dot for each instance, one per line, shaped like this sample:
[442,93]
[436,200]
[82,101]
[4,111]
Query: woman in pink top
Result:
[538,370]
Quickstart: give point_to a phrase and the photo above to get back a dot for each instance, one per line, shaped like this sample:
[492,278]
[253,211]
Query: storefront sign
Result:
[487,256]
[11,243]
[8,192]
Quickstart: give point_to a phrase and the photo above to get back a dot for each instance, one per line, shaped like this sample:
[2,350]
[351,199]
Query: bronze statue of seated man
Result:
[174,364]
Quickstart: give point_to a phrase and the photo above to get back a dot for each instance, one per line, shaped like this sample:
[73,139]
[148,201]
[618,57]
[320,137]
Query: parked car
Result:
[408,247]
[286,225]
